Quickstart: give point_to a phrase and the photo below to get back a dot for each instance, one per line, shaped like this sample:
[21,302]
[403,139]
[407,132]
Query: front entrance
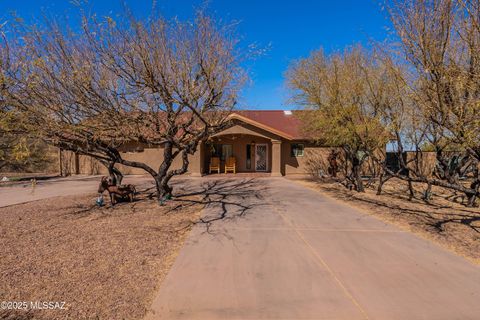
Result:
[261,156]
[251,153]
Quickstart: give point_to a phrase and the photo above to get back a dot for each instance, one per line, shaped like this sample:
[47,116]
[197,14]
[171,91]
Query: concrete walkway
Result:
[273,249]
[23,192]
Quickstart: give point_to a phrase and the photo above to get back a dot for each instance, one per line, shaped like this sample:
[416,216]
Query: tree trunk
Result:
[114,173]
[163,175]
[428,193]
[357,175]
[411,194]
[473,197]
[383,178]
[358,178]
[164,191]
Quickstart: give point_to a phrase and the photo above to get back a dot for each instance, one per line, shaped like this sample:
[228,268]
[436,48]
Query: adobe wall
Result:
[314,161]
[153,157]
[426,162]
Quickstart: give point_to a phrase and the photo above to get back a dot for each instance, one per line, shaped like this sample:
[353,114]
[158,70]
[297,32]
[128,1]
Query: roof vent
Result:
[287,112]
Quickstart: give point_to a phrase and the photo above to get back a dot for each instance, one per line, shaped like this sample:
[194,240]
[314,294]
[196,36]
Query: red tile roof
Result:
[279,120]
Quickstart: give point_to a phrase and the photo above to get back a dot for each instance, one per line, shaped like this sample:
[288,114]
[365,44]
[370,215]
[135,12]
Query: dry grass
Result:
[442,220]
[104,263]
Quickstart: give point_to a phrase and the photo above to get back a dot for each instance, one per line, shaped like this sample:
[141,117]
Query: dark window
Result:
[222,151]
[216,150]
[296,150]
[249,156]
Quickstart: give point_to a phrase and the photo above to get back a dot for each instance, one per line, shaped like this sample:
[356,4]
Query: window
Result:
[249,156]
[227,151]
[297,150]
[222,151]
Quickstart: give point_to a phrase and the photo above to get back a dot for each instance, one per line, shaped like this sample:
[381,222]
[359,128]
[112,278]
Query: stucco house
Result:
[262,141]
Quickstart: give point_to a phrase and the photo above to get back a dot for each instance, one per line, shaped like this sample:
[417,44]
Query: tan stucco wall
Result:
[153,157]
[314,158]
[426,162]
[67,163]
[239,135]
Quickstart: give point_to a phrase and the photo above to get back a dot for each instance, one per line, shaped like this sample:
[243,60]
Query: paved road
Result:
[276,250]
[23,192]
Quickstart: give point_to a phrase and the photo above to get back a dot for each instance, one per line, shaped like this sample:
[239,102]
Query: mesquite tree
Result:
[19,150]
[338,91]
[161,83]
[401,117]
[440,41]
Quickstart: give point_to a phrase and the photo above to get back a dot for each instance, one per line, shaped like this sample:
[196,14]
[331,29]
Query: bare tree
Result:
[440,41]
[161,83]
[400,116]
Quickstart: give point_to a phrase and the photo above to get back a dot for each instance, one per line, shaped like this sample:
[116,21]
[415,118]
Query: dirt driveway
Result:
[273,249]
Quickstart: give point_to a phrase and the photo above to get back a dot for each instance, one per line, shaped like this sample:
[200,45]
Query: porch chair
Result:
[231,165]
[215,164]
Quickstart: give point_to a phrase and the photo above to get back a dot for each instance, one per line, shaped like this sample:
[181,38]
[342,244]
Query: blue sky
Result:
[290,29]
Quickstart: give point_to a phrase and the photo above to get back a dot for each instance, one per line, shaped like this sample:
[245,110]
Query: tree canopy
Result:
[343,93]
[157,82]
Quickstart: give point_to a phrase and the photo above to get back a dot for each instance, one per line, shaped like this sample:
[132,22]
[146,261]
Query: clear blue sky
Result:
[291,29]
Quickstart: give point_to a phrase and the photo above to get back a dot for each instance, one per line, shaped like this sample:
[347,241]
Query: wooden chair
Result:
[215,164]
[231,165]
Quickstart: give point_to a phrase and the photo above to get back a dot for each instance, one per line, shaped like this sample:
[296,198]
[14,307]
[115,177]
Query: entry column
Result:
[276,158]
[196,162]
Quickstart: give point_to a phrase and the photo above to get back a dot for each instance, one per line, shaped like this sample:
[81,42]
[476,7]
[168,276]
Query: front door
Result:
[261,157]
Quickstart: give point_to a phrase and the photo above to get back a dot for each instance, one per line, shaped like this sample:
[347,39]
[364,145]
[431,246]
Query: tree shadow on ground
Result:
[435,220]
[221,199]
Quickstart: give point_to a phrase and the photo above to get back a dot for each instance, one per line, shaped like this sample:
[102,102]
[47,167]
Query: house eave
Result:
[236,116]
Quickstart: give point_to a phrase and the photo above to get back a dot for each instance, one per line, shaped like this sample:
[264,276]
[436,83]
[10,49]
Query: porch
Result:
[254,155]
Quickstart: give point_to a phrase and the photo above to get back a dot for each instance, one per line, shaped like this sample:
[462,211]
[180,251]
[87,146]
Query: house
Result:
[262,141]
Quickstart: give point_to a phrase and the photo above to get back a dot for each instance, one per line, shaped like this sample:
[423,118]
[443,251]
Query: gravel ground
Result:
[448,223]
[103,263]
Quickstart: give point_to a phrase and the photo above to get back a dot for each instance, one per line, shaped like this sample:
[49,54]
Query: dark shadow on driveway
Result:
[222,199]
